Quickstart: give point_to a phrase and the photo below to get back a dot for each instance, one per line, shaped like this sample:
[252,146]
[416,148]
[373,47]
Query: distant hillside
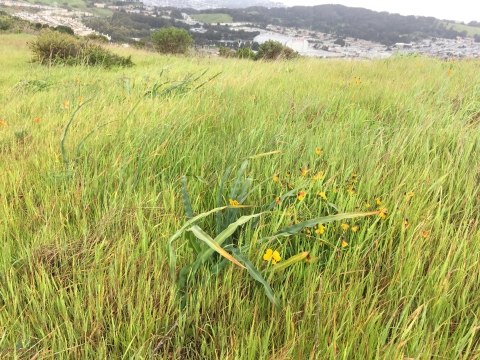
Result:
[344,21]
[471,30]
[214,18]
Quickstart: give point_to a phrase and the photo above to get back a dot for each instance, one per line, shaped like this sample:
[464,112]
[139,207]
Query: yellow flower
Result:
[322,195]
[355,228]
[233,202]
[344,243]
[37,119]
[410,195]
[318,175]
[278,200]
[318,151]
[383,213]
[425,233]
[301,195]
[406,223]
[449,72]
[80,99]
[78,80]
[91,80]
[65,104]
[345,226]
[276,177]
[367,204]
[3,123]
[351,190]
[290,186]
[274,256]
[308,259]
[288,174]
[319,229]
[379,201]
[304,171]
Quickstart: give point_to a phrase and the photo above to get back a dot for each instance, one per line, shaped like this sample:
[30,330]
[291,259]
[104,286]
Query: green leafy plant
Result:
[229,227]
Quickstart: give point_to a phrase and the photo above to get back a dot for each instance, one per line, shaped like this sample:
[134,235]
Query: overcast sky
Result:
[460,10]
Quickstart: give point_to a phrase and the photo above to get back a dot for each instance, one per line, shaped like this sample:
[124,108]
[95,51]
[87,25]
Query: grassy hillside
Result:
[471,30]
[213,18]
[84,266]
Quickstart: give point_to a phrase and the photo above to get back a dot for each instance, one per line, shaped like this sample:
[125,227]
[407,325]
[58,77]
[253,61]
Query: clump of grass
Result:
[57,48]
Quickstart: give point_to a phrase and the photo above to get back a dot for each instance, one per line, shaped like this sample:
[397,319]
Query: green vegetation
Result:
[9,24]
[470,30]
[59,48]
[172,41]
[101,168]
[269,50]
[213,18]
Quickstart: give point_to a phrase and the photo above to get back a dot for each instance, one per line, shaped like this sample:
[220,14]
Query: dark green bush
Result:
[274,50]
[97,37]
[245,53]
[54,48]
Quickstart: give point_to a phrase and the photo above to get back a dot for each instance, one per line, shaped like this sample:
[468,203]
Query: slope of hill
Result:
[96,167]
[470,30]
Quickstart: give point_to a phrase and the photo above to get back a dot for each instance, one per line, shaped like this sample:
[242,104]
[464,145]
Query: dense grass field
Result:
[213,18]
[86,211]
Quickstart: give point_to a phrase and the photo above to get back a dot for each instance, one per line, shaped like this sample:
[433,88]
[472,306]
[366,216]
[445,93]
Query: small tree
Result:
[172,40]
[274,50]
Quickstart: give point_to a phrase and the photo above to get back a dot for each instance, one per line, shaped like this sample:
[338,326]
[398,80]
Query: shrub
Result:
[245,53]
[64,29]
[5,25]
[274,50]
[60,48]
[172,40]
[97,37]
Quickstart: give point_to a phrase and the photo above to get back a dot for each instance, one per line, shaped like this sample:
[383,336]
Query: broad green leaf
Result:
[257,276]
[290,261]
[202,235]
[179,232]
[220,239]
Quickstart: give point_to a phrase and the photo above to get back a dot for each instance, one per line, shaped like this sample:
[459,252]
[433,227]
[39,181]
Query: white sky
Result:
[460,10]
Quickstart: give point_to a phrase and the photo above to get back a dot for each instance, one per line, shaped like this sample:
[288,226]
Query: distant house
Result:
[99,5]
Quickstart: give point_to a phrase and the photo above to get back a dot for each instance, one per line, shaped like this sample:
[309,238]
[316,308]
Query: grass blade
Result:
[290,261]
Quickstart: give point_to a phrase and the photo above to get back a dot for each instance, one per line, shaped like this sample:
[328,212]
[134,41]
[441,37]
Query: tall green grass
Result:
[84,266]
